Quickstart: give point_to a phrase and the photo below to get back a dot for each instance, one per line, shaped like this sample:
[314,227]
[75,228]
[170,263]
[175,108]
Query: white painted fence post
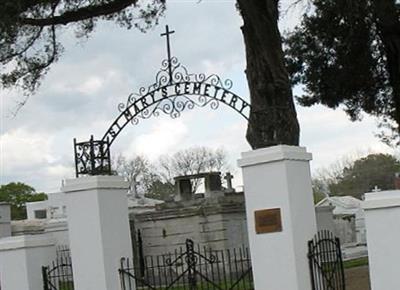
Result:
[382,216]
[21,261]
[99,232]
[279,178]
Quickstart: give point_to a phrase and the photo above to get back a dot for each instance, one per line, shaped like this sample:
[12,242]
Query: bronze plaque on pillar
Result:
[268,220]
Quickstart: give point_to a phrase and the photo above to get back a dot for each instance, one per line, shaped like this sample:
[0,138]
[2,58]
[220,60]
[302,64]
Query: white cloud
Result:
[91,85]
[22,149]
[59,171]
[329,135]
[32,158]
[164,137]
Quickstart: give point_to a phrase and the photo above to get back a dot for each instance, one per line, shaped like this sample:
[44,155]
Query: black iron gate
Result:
[326,264]
[190,268]
[58,275]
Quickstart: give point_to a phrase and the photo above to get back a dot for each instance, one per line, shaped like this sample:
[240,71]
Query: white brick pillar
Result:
[382,216]
[21,261]
[279,178]
[99,230]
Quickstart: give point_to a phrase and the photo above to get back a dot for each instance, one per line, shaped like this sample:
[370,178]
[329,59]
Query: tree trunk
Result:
[273,118]
[388,22]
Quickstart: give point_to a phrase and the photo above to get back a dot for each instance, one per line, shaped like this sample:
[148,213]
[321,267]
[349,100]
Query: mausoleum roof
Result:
[141,204]
[198,175]
[343,205]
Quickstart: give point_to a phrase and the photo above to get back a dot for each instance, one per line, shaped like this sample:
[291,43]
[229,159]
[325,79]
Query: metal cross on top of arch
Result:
[174,90]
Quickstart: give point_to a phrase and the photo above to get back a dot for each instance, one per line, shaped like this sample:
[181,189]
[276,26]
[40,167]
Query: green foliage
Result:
[361,176]
[366,173]
[17,194]
[340,56]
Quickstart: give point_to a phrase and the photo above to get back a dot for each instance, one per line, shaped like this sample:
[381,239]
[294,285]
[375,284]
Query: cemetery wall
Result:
[58,230]
[215,224]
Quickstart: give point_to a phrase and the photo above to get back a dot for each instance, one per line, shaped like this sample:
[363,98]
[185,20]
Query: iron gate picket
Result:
[58,276]
[326,263]
[190,269]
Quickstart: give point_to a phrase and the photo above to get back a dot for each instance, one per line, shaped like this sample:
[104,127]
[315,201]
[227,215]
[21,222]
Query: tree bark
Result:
[82,13]
[273,118]
[388,22]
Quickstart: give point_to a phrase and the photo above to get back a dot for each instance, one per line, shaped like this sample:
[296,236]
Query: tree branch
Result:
[24,49]
[80,14]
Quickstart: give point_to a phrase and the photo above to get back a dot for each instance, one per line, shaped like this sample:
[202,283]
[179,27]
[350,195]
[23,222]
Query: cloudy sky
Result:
[80,95]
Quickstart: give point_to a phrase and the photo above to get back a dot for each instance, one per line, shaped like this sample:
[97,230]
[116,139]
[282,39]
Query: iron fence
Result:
[189,268]
[326,263]
[63,251]
[58,275]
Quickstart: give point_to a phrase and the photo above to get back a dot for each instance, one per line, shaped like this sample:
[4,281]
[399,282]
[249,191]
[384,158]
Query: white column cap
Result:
[95,182]
[274,154]
[381,199]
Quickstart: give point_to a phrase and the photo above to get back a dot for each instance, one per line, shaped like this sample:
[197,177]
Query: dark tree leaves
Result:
[17,194]
[29,31]
[342,54]
[366,173]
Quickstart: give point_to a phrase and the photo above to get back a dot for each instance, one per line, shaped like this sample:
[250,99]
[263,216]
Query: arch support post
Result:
[99,231]
[280,215]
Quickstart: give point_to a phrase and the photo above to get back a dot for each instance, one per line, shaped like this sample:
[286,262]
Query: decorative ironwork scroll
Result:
[92,157]
[172,94]
[174,90]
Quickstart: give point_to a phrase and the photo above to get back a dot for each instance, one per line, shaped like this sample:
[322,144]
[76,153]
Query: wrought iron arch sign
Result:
[174,90]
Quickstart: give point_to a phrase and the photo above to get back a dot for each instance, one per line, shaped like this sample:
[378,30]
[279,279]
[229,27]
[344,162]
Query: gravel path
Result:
[357,278]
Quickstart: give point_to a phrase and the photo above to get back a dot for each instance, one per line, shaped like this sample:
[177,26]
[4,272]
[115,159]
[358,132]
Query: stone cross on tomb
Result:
[228,177]
[167,34]
[376,189]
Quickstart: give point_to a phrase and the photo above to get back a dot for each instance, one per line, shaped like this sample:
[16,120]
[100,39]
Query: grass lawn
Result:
[239,286]
[66,285]
[355,263]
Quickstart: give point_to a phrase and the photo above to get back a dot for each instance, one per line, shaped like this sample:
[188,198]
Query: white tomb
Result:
[382,216]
